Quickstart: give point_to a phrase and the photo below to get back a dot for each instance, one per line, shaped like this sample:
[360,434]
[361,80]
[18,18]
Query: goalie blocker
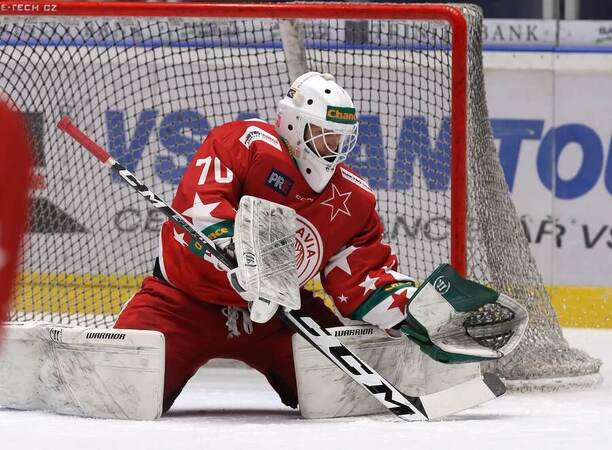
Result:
[264,245]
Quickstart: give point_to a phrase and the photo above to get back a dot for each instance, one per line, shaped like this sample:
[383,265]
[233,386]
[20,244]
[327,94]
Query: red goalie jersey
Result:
[339,232]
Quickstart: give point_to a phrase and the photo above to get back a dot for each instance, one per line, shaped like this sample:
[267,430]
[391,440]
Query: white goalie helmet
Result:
[318,122]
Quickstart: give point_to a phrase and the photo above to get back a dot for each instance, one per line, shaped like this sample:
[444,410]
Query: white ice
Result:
[235,409]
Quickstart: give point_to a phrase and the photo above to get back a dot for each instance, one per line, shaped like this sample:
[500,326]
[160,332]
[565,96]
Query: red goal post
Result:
[448,13]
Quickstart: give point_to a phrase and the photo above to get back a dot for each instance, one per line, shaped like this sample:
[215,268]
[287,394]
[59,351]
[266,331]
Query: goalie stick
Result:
[410,408]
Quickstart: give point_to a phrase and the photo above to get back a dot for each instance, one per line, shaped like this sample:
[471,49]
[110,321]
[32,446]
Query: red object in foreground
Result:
[15,167]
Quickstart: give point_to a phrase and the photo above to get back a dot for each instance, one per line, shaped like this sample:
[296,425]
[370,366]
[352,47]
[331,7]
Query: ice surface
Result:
[235,409]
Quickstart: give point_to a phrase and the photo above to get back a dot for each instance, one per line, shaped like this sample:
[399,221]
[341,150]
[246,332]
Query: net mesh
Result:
[498,250]
[150,90]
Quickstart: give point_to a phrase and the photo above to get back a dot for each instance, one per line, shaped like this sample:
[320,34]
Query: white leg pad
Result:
[79,371]
[325,391]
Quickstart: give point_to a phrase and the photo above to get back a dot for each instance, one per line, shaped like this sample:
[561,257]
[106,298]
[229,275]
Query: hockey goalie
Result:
[279,201]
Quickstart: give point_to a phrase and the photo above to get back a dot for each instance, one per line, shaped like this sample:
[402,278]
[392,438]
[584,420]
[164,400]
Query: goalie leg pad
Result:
[100,373]
[324,391]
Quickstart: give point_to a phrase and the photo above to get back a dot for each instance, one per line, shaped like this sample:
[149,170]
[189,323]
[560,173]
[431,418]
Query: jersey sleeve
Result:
[363,281]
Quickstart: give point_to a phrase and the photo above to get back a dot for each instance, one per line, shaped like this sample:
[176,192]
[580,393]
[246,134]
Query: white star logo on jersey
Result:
[340,261]
[179,237]
[343,298]
[337,203]
[369,284]
[200,213]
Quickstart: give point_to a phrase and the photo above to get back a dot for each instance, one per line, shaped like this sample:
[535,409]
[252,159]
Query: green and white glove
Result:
[455,320]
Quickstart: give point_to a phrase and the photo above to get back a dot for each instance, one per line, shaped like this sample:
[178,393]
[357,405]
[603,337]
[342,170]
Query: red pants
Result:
[197,332]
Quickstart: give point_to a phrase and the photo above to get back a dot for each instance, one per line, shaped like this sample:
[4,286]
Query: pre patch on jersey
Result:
[280,182]
[253,134]
[355,179]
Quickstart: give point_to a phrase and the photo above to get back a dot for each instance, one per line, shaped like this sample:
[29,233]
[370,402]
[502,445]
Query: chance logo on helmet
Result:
[341,115]
[318,122]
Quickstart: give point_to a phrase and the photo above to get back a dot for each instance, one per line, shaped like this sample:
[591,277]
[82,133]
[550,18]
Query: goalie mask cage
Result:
[148,81]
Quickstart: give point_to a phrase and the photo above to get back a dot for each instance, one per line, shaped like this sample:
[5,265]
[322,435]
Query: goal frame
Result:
[439,12]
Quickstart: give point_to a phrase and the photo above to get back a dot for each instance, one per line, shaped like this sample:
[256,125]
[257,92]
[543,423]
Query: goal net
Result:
[151,82]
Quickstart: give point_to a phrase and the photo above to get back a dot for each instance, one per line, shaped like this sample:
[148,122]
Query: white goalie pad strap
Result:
[264,237]
[79,371]
[325,391]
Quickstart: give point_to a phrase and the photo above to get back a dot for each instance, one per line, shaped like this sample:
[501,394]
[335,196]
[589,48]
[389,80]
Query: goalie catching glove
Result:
[455,320]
